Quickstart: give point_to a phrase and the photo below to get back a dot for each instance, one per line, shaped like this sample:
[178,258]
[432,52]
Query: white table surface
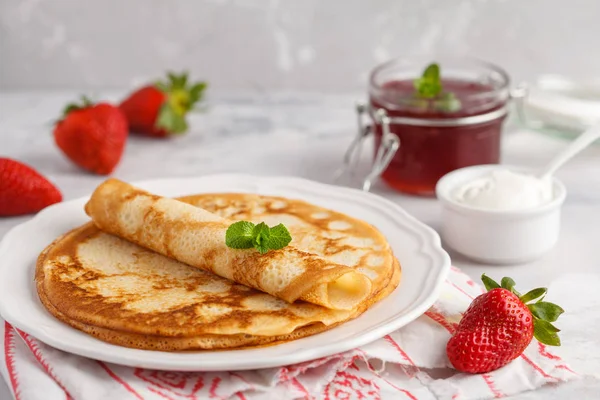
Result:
[306,135]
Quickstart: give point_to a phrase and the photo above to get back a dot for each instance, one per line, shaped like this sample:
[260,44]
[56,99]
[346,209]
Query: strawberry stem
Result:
[180,97]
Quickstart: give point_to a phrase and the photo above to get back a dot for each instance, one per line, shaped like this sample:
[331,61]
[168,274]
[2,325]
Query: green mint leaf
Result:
[489,283]
[246,235]
[432,72]
[280,237]
[545,332]
[239,235]
[261,234]
[546,311]
[447,102]
[415,102]
[533,294]
[429,87]
[429,84]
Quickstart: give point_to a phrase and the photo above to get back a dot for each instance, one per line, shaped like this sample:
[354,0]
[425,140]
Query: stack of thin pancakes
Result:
[154,273]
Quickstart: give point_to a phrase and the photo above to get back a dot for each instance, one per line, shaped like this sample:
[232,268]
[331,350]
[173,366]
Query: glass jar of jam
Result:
[418,138]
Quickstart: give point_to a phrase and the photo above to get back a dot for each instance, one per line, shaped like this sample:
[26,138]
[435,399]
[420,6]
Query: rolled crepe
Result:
[196,237]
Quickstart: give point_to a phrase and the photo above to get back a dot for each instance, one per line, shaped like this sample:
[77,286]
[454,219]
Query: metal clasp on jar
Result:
[390,142]
[383,156]
[519,96]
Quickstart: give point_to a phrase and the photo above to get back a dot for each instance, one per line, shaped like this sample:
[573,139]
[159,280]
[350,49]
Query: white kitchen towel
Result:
[410,363]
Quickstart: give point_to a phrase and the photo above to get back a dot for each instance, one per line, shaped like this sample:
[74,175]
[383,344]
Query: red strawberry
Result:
[499,325]
[23,190]
[159,110]
[92,136]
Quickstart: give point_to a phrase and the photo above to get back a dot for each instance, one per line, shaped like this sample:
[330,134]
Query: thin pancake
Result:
[196,237]
[124,294]
[330,234]
[207,342]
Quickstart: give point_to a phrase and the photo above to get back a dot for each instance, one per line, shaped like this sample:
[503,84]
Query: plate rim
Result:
[426,234]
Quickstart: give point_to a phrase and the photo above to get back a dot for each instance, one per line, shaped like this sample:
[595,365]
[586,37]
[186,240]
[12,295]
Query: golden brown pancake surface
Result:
[196,237]
[120,292]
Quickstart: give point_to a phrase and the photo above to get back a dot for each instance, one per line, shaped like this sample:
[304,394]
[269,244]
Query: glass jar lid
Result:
[469,88]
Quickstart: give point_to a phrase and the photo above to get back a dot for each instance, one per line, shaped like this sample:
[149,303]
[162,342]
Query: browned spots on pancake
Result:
[242,208]
[298,208]
[184,326]
[158,217]
[131,196]
[162,343]
[333,246]
[90,307]
[168,235]
[206,341]
[248,269]
[158,231]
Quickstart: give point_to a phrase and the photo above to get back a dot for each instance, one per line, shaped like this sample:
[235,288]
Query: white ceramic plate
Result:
[424,268]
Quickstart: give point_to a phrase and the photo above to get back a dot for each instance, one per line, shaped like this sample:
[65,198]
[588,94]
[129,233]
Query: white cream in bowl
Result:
[499,215]
[503,189]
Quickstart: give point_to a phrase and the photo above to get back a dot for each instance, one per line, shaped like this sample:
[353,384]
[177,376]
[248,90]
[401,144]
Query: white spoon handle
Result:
[582,141]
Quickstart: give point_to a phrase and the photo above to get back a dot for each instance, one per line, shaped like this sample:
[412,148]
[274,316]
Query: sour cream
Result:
[505,190]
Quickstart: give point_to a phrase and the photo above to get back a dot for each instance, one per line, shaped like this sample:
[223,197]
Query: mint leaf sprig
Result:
[429,87]
[246,235]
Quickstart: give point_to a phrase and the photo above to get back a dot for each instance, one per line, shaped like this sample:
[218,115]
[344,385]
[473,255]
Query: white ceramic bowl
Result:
[497,237]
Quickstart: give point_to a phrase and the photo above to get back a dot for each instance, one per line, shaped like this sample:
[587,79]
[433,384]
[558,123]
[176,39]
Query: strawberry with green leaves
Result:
[499,325]
[160,110]
[93,136]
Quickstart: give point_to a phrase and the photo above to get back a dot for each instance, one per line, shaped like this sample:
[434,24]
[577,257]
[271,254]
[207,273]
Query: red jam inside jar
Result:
[438,135]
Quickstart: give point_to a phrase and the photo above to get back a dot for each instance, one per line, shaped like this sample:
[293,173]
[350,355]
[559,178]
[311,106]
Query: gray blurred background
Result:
[261,45]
